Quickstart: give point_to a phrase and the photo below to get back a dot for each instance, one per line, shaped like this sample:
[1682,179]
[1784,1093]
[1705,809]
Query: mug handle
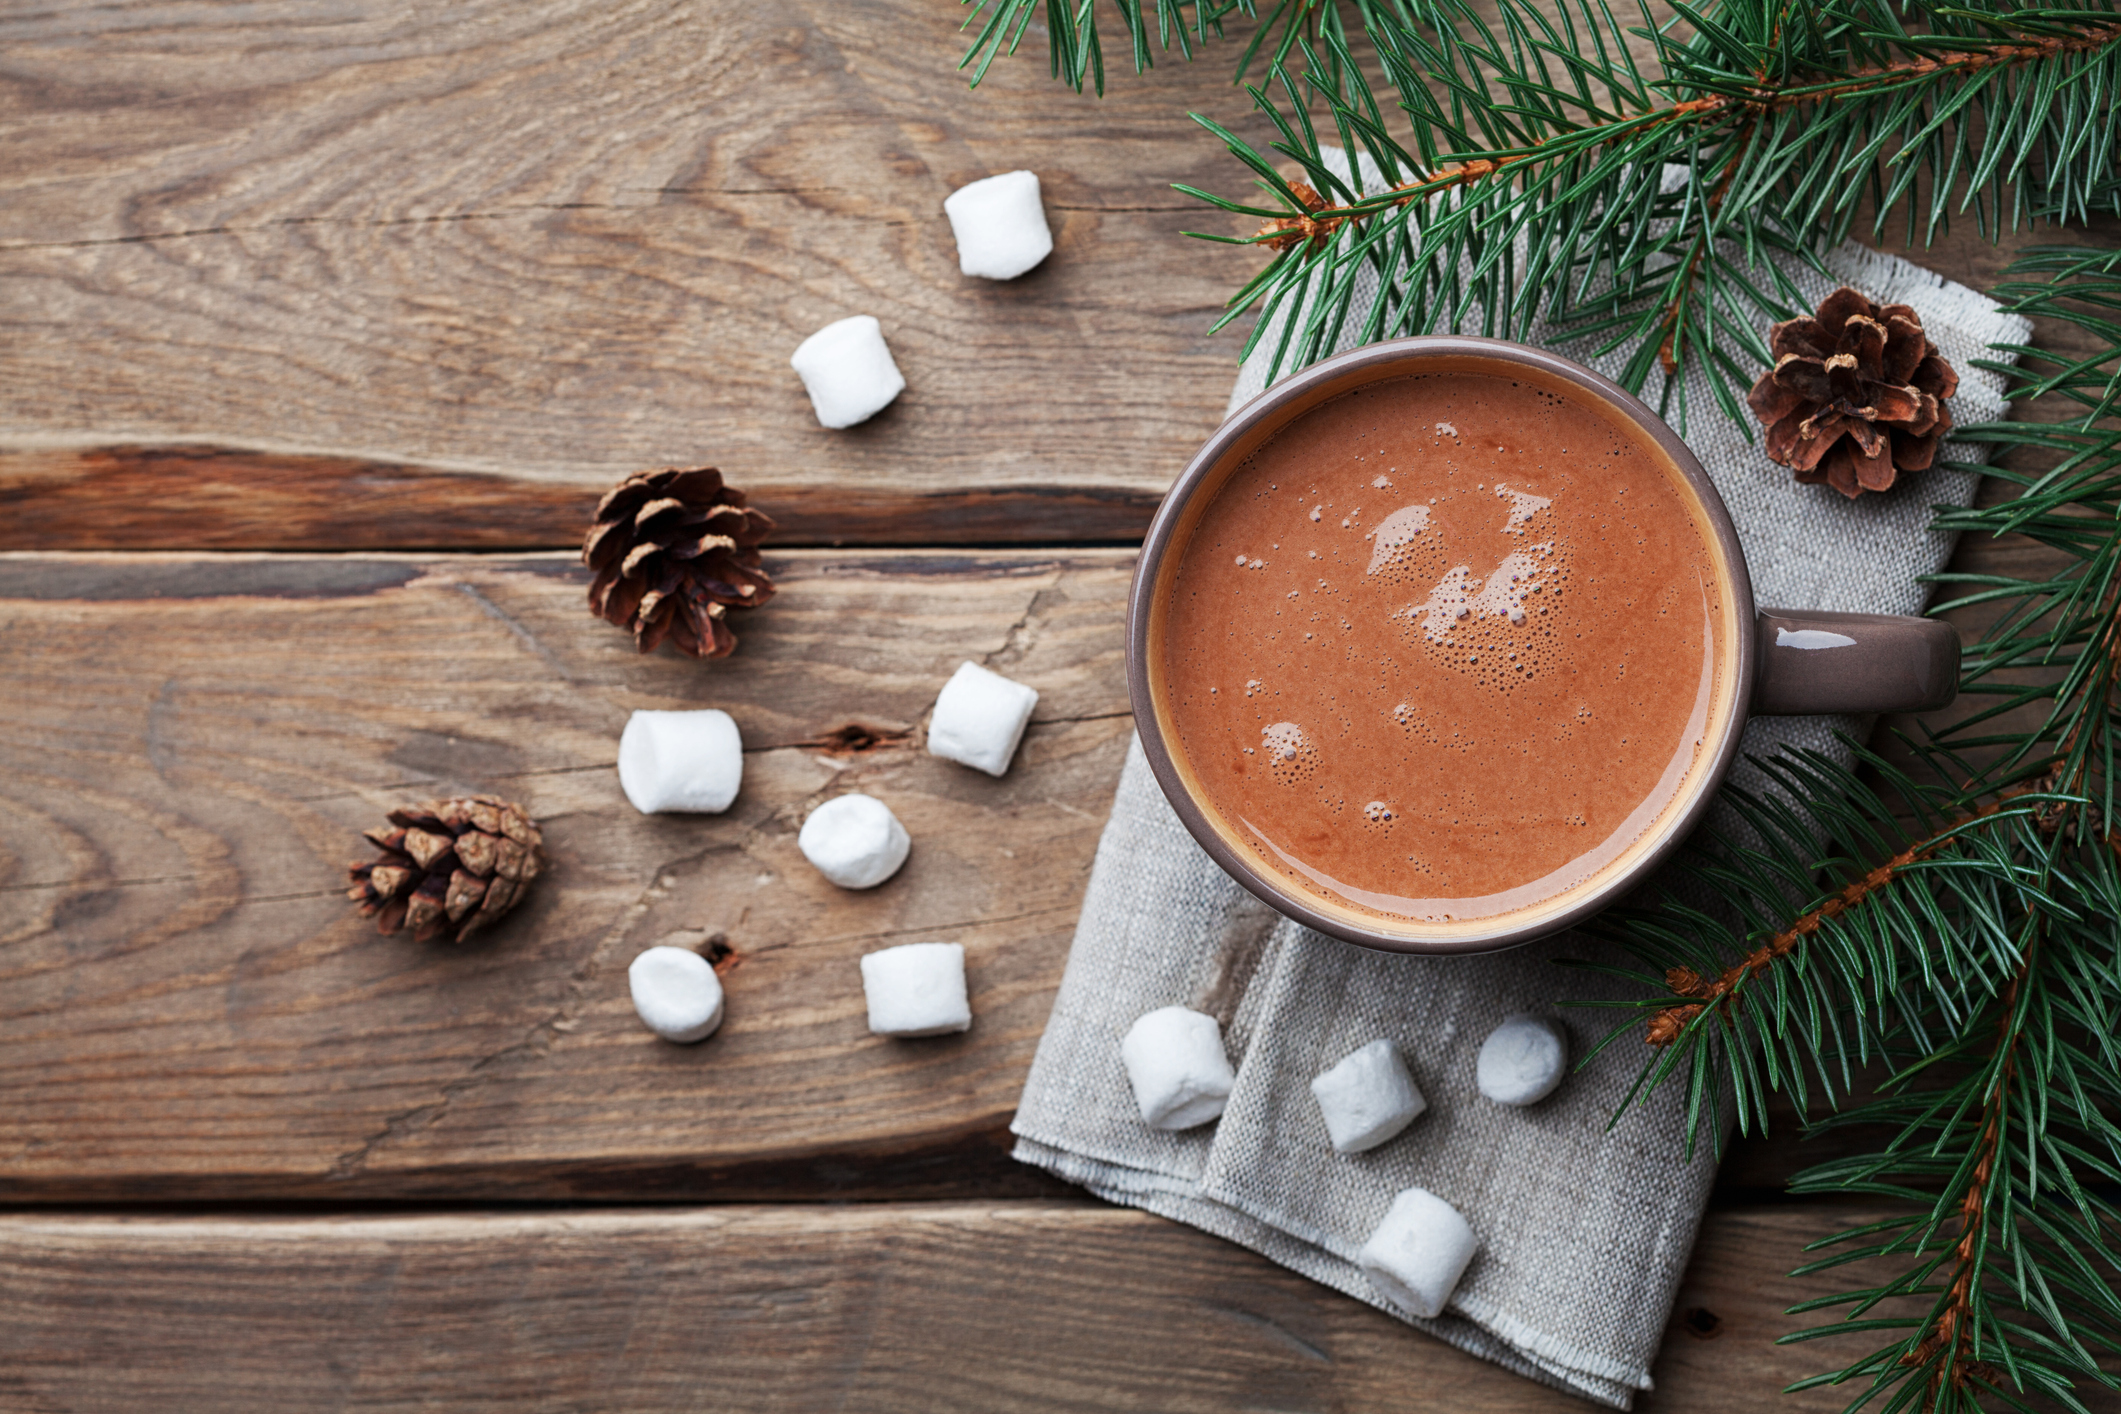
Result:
[1813,661]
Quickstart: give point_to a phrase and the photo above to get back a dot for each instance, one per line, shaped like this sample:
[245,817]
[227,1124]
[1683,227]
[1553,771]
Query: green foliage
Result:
[1537,167]
[1946,931]
[1957,927]
[1077,52]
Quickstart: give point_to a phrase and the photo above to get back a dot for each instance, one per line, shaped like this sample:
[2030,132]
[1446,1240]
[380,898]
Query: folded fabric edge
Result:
[1183,1203]
[1164,1181]
[1531,1341]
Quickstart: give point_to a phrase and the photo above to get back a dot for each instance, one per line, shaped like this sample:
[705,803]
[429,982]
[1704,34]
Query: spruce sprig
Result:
[1536,168]
[1541,172]
[1957,924]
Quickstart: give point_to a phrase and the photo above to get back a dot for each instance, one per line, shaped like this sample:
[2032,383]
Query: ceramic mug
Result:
[1779,662]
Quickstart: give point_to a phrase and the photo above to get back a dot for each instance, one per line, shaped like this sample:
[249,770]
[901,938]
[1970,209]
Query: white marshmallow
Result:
[855,841]
[1000,225]
[1368,1098]
[676,993]
[1175,1062]
[917,989]
[1522,1060]
[980,718]
[1418,1253]
[680,761]
[848,371]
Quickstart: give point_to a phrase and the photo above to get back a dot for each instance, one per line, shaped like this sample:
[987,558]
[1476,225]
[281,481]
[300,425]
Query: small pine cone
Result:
[1856,395]
[673,552]
[1668,1025]
[1685,982]
[448,868]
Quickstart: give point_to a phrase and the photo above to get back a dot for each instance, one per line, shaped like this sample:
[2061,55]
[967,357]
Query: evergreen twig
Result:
[1980,964]
[1536,168]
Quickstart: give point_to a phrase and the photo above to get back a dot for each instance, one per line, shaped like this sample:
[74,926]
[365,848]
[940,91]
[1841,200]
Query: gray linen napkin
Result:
[1585,1230]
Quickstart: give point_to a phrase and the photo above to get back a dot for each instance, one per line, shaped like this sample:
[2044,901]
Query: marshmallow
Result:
[847,369]
[1367,1098]
[979,719]
[1522,1060]
[1175,1063]
[1000,226]
[680,761]
[917,989]
[676,993]
[855,841]
[1418,1253]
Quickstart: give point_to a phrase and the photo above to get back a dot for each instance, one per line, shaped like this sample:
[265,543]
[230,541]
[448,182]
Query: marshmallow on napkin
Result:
[1522,1060]
[1418,1253]
[1176,1064]
[1367,1098]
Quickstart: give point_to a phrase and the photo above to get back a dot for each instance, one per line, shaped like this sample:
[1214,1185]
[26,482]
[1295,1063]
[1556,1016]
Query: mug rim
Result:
[1384,360]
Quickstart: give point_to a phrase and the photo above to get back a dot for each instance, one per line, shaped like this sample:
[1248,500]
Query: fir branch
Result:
[1075,44]
[1947,1343]
[1761,100]
[1669,1024]
[1981,962]
[1531,181]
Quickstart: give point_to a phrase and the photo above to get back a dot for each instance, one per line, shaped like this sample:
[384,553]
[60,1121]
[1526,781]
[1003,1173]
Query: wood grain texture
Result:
[304,277]
[524,248]
[934,1307]
[190,745]
[209,497]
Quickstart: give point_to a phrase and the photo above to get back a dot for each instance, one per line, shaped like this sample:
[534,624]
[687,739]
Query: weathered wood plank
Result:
[189,746]
[931,1307]
[303,256]
[208,497]
[298,278]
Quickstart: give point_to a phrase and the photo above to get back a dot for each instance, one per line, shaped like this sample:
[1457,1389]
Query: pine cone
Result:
[1856,395]
[673,552]
[448,867]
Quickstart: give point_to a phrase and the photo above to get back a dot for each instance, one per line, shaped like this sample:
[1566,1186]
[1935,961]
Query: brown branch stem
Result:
[1318,221]
[1669,1023]
[1952,1330]
[1667,351]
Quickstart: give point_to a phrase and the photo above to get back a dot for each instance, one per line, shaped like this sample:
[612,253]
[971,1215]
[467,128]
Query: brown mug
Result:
[1782,662]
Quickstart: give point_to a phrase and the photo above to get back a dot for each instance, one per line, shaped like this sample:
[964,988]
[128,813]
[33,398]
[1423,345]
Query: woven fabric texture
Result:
[1585,1230]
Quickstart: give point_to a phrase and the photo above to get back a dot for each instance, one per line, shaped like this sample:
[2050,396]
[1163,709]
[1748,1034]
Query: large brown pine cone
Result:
[448,867]
[1856,395]
[673,552]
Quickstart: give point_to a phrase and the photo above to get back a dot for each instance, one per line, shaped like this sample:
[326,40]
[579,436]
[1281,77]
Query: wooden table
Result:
[325,326]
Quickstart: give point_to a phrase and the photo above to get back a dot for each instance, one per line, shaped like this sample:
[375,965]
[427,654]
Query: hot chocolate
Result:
[1445,647]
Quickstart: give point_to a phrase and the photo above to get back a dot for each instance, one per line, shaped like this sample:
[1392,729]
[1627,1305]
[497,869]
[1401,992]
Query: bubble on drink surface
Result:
[1523,506]
[1292,756]
[1378,814]
[1401,547]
